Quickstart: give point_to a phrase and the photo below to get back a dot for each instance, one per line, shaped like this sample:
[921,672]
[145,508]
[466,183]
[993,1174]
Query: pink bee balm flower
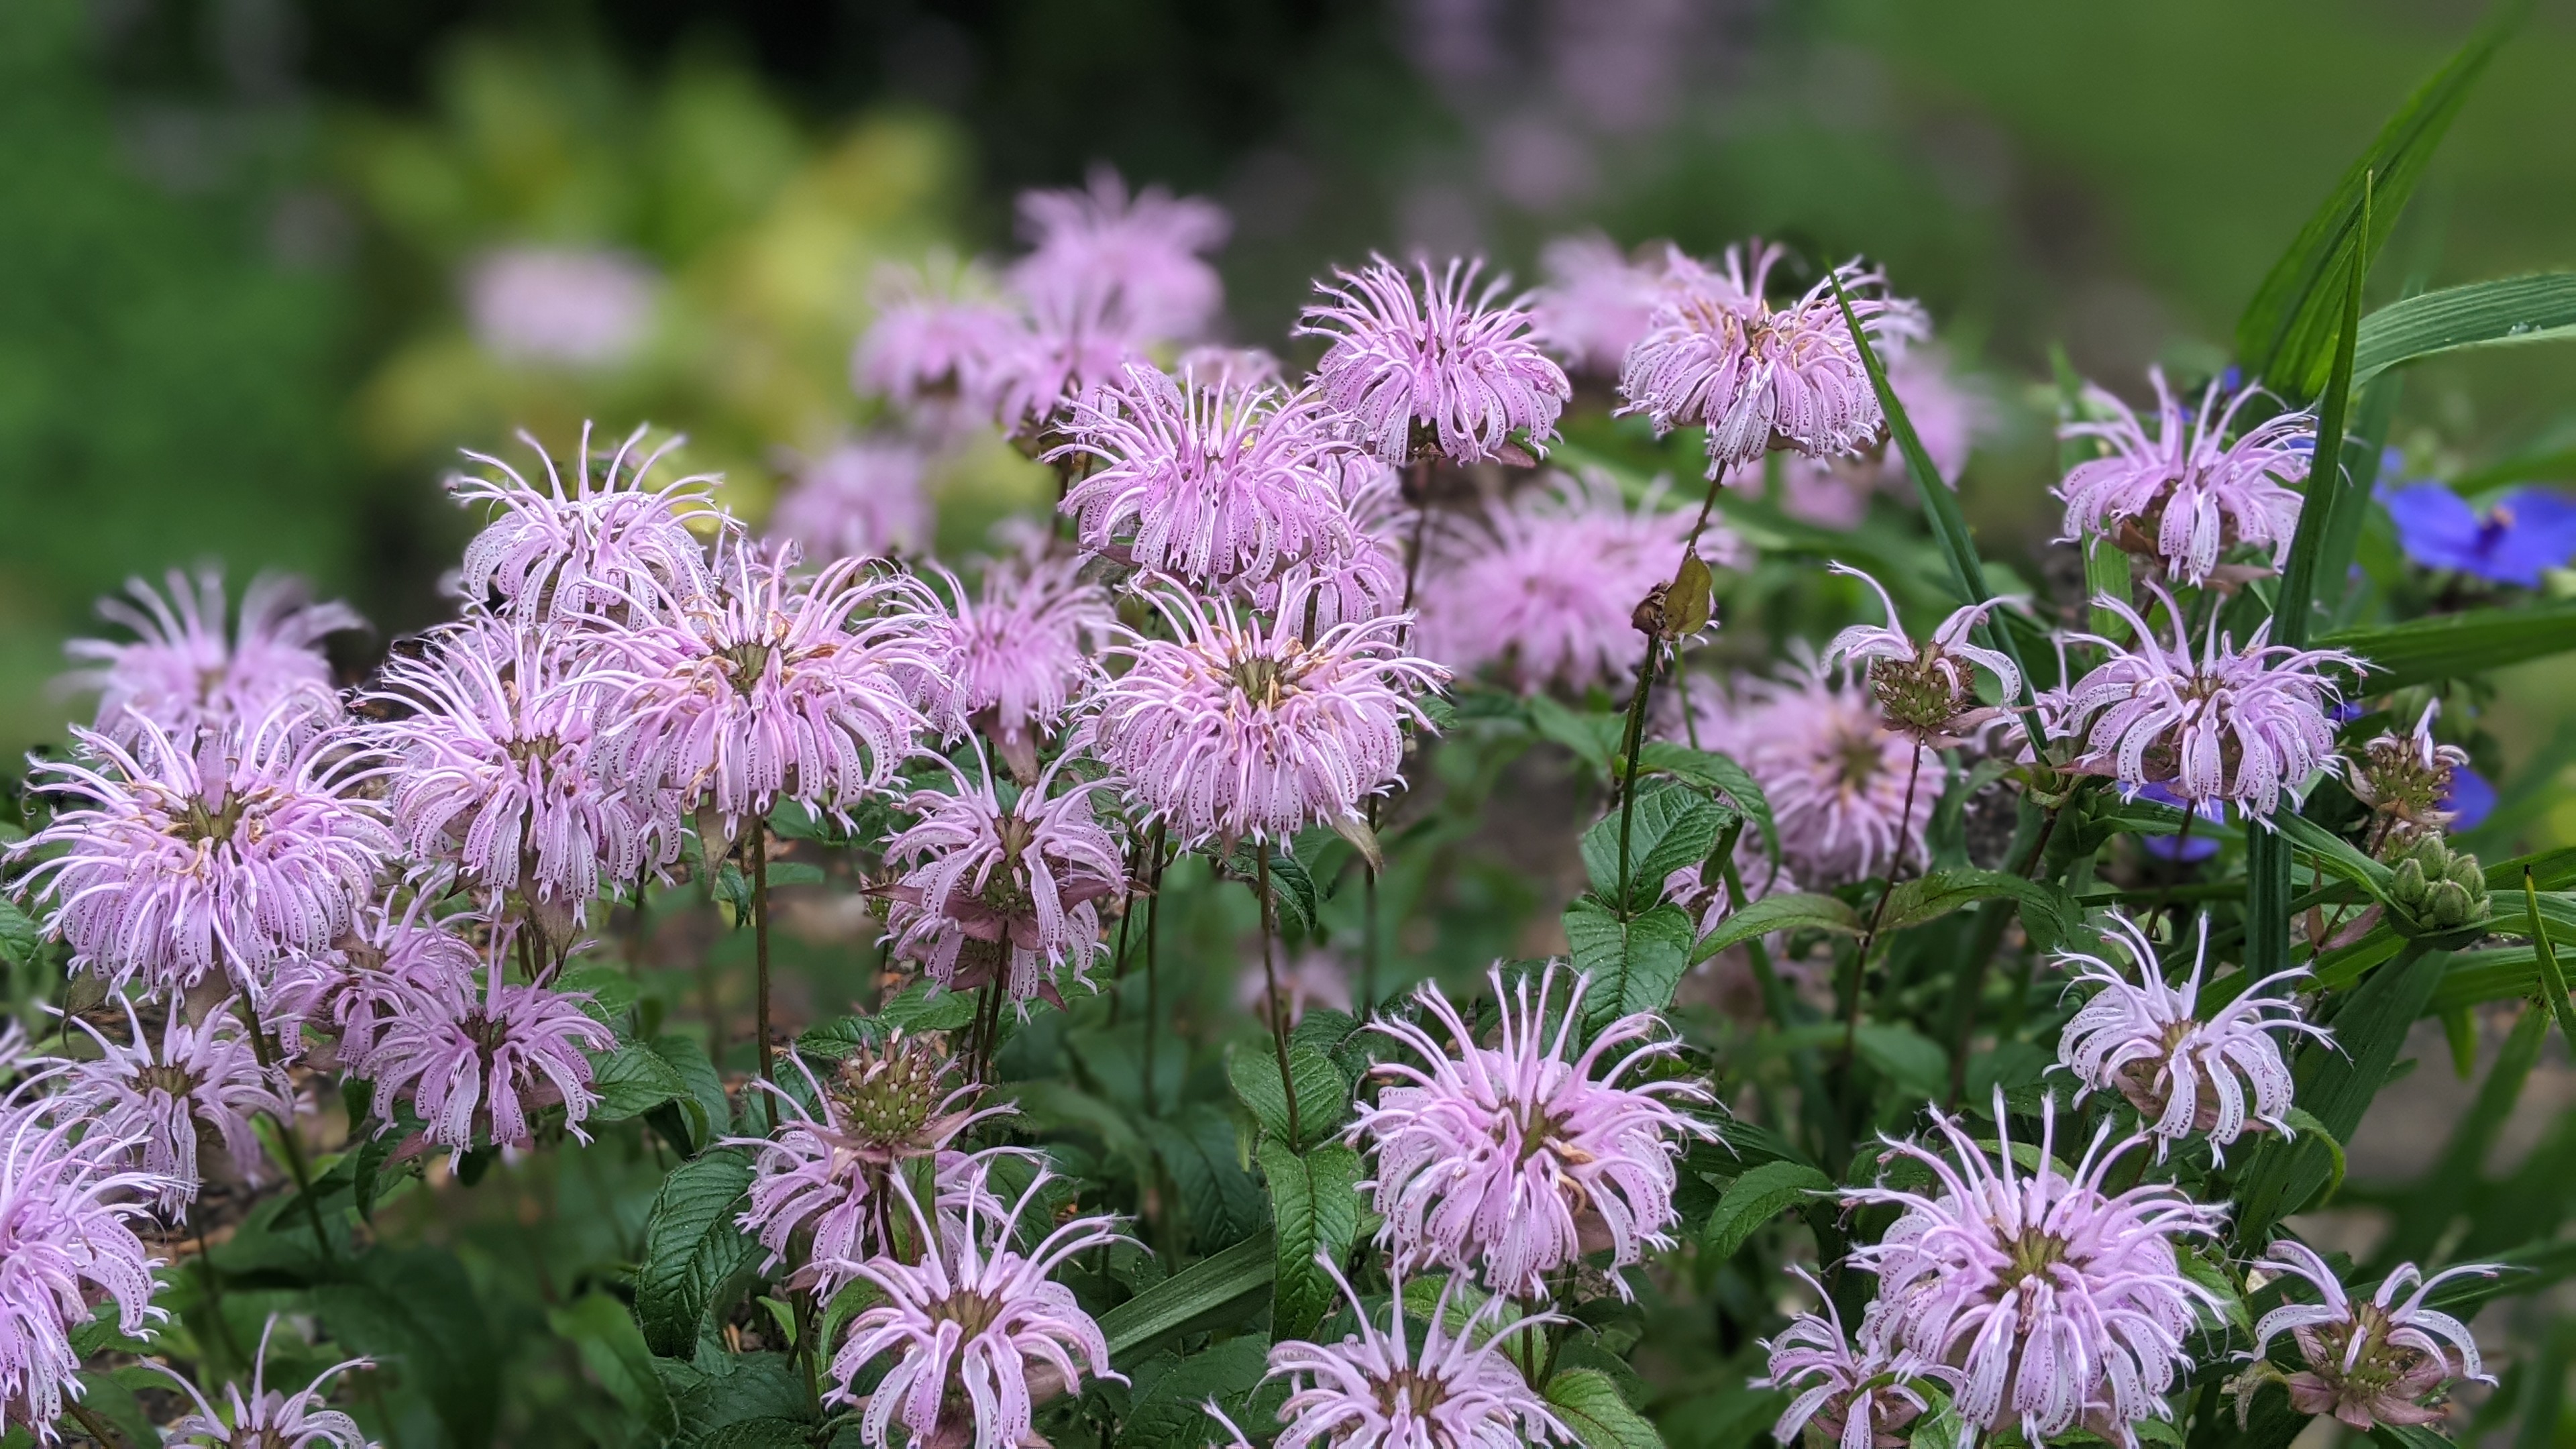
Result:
[773,686]
[2184,495]
[1206,485]
[563,555]
[66,1245]
[1760,377]
[2370,1362]
[269,1418]
[1512,1161]
[980,1333]
[565,306]
[478,1062]
[2184,1075]
[2247,726]
[1012,661]
[1837,775]
[1067,345]
[1364,578]
[828,1176]
[1246,731]
[1457,1389]
[992,892]
[1855,1397]
[1596,304]
[183,674]
[1544,588]
[1947,414]
[163,862]
[1443,370]
[499,769]
[1927,688]
[938,333]
[2057,1302]
[1140,257]
[204,1081]
[859,500]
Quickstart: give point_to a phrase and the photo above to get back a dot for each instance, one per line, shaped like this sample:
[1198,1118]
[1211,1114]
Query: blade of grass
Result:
[2507,312]
[2553,982]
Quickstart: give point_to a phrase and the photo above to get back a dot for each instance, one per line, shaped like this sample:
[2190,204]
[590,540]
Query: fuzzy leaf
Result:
[922,1006]
[1759,1195]
[691,1247]
[1671,826]
[1315,1207]
[1323,1097]
[20,938]
[1634,964]
[1712,771]
[632,1081]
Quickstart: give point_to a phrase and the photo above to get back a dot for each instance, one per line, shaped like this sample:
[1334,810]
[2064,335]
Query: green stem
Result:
[760,938]
[1635,746]
[93,1425]
[1776,1003]
[1153,977]
[1278,1002]
[286,1138]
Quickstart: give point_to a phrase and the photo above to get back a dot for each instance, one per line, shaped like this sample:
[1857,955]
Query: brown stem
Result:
[93,1425]
[1635,747]
[1716,480]
[760,938]
[1278,1003]
[1368,924]
[1153,977]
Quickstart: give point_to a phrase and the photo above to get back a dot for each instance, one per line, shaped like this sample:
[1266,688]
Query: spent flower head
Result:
[1926,689]
[2185,494]
[2407,779]
[1444,369]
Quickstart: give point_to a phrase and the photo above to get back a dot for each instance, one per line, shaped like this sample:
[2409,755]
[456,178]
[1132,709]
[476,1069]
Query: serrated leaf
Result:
[1323,1096]
[20,937]
[767,1432]
[1779,913]
[615,1352]
[2455,646]
[631,1081]
[1759,1195]
[1930,897]
[1314,1209]
[1588,1402]
[1220,1199]
[1712,771]
[711,1110]
[1222,1289]
[1593,737]
[691,1247]
[2507,312]
[922,1006]
[1670,827]
[1634,965]
[1170,1412]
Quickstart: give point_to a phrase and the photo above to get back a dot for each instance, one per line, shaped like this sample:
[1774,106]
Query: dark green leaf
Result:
[1209,1294]
[1589,1404]
[115,1404]
[1671,826]
[1594,738]
[768,1432]
[691,1247]
[2454,646]
[2553,982]
[1930,897]
[1323,1097]
[1219,1197]
[1170,1412]
[2507,312]
[632,1081]
[1315,1205]
[922,1006]
[1779,913]
[1635,964]
[615,1352]
[1761,1194]
[415,1310]
[716,1391]
[19,937]
[1915,1062]
[711,1111]
[1712,771]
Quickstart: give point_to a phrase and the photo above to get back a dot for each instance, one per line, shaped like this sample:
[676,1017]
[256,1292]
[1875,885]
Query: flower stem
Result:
[1153,978]
[1628,786]
[286,1138]
[1878,913]
[93,1425]
[760,938]
[1270,974]
[1368,924]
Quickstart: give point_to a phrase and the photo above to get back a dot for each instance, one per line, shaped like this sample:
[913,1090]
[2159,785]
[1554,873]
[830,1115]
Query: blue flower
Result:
[2518,538]
[2470,800]
[2191,845]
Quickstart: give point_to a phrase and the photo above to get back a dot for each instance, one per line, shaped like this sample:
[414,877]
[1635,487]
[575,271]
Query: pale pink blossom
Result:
[565,554]
[2058,1302]
[1510,1162]
[1237,731]
[2145,1039]
[564,306]
[269,1418]
[1011,660]
[932,350]
[352,990]
[1443,369]
[1854,1396]
[67,1246]
[1836,774]
[477,1063]
[2372,1361]
[184,674]
[1140,257]
[2184,493]
[1066,345]
[861,499]
[1597,302]
[199,1081]
[1458,1388]
[1311,978]
[1718,354]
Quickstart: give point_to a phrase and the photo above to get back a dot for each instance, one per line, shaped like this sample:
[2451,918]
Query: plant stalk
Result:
[760,938]
[1278,1001]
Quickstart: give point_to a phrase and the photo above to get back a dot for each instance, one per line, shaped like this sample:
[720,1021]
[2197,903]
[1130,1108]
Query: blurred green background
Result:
[236,235]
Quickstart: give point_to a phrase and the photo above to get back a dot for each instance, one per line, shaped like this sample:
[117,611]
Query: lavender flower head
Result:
[993,892]
[1456,1389]
[269,1418]
[204,1080]
[1759,377]
[1838,776]
[1512,1161]
[1444,370]
[164,863]
[774,686]
[2244,726]
[183,674]
[2057,1302]
[354,989]
[1947,414]
[1207,484]
[827,1176]
[559,306]
[2408,780]
[1066,345]
[2520,537]
[2145,1039]
[1853,1396]
[1927,689]
[1544,588]
[1140,258]
[932,350]
[1239,731]
[563,554]
[859,500]
[498,769]
[2183,494]
[66,1245]
[980,1333]
[1013,660]
[477,1062]
[2372,1361]
[1596,303]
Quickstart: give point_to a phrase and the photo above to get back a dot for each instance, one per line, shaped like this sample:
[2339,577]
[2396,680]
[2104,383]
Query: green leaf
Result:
[691,1247]
[2305,1122]
[1170,1413]
[922,1006]
[631,1081]
[1315,1206]
[2508,312]
[416,1310]
[2331,853]
[1778,913]
[2286,337]
[1712,771]
[1671,826]
[1915,1062]
[770,1431]
[1215,1291]
[1323,1096]
[615,1352]
[719,1390]
[1930,897]
[2553,982]
[710,1111]
[1593,737]
[1759,1195]
[1219,1197]
[115,1405]
[20,937]
[2454,646]
[1634,964]
[1589,1403]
